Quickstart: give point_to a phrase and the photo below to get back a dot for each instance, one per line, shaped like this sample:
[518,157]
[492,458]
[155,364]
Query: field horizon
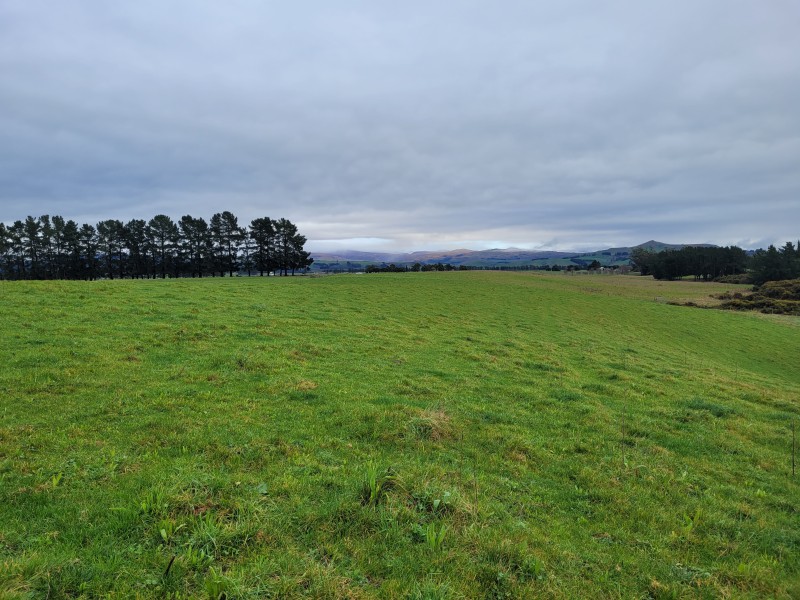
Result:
[419,435]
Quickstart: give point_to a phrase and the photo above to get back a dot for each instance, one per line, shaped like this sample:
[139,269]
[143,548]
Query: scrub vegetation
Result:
[773,297]
[416,435]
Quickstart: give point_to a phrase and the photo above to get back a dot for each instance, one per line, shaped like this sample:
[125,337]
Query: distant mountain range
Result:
[497,257]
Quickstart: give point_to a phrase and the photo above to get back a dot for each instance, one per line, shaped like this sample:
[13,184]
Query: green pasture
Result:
[414,435]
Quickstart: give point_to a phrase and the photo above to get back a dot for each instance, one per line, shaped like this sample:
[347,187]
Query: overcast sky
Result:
[410,125]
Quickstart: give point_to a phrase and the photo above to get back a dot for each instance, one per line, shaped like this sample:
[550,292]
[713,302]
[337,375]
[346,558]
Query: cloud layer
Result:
[420,125]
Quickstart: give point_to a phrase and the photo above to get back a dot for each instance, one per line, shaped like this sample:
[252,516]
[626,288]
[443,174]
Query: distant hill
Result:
[443,256]
[654,246]
[494,258]
[358,256]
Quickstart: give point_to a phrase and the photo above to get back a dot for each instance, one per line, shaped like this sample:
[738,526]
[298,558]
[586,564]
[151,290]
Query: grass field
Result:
[415,435]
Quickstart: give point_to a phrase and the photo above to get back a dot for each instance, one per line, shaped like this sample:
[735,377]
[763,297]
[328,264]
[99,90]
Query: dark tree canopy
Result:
[701,262]
[55,248]
[776,265]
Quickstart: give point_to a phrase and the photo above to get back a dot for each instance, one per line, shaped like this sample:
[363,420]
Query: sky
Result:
[390,126]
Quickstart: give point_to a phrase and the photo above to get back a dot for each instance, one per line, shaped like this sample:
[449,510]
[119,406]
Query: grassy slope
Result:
[574,437]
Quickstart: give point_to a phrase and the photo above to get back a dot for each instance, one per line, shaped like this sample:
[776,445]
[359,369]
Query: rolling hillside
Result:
[416,435]
[508,257]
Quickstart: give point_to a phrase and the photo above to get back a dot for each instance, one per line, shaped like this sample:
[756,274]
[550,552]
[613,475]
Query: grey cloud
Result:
[521,123]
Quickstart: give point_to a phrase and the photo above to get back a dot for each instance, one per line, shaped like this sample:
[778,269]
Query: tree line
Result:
[56,248]
[708,263]
[702,262]
[416,268]
[775,264]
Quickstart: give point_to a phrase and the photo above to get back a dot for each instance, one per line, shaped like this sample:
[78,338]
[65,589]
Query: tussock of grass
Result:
[181,439]
[431,425]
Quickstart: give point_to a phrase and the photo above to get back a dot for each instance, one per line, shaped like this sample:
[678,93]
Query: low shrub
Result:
[744,278]
[774,297]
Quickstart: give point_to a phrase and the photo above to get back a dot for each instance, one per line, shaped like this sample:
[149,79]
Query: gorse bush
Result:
[781,290]
[775,297]
[741,278]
